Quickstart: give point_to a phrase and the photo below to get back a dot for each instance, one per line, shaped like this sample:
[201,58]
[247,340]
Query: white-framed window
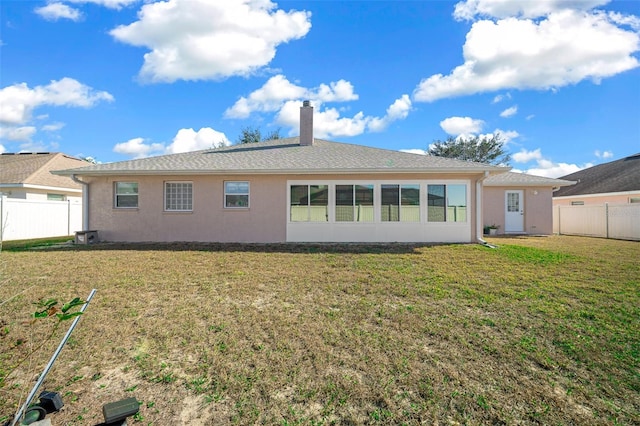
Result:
[577,203]
[354,203]
[125,195]
[634,200]
[236,195]
[178,196]
[309,203]
[447,203]
[400,202]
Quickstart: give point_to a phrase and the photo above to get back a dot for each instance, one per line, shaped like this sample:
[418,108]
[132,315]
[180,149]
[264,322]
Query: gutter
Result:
[85,201]
[479,211]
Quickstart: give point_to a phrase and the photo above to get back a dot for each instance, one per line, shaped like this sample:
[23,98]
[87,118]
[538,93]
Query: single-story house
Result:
[27,176]
[34,203]
[615,182]
[299,189]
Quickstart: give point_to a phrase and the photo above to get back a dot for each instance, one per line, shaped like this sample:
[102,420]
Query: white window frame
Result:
[174,182]
[248,194]
[116,195]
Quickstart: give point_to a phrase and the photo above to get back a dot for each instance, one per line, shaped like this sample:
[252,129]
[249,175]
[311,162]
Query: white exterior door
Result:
[514,211]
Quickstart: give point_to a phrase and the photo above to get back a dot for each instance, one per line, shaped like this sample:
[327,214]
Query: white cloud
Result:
[629,20]
[564,48]
[53,127]
[604,154]
[23,133]
[278,90]
[56,11]
[509,112]
[328,122]
[201,39]
[2,149]
[18,101]
[137,148]
[185,140]
[530,116]
[284,98]
[461,125]
[543,166]
[525,156]
[506,135]
[469,9]
[399,110]
[189,140]
[500,98]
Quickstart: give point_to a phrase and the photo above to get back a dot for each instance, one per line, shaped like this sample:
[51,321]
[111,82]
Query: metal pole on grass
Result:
[51,361]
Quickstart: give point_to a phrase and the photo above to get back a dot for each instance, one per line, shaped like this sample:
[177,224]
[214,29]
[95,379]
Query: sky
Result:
[113,80]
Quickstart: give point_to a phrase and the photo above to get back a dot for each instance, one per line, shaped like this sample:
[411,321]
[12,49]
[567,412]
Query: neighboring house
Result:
[520,203]
[34,202]
[28,176]
[297,189]
[616,182]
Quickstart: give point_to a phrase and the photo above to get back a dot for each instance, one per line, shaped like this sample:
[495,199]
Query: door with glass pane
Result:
[514,211]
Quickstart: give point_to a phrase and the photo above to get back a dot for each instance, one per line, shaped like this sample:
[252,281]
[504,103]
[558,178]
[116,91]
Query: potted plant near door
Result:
[491,229]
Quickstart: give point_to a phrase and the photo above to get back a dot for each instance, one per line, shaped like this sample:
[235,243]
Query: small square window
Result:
[577,203]
[236,195]
[126,195]
[178,196]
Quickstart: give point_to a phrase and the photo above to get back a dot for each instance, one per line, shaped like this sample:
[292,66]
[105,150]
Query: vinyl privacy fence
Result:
[620,221]
[26,219]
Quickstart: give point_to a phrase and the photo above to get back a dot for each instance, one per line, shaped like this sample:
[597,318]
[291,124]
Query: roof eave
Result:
[306,171]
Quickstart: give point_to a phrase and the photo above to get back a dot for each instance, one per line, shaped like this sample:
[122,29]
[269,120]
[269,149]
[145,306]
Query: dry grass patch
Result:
[540,330]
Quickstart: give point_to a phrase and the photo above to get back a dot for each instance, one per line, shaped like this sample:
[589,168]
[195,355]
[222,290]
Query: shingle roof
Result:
[35,169]
[616,176]
[287,156]
[522,179]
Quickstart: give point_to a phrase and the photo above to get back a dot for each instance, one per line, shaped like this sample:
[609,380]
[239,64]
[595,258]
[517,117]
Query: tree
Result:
[253,135]
[479,149]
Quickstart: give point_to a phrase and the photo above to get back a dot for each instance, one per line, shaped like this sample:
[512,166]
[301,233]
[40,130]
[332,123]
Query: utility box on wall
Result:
[86,237]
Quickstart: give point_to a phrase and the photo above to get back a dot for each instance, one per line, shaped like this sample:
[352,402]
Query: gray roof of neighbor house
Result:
[35,169]
[616,176]
[522,179]
[287,156]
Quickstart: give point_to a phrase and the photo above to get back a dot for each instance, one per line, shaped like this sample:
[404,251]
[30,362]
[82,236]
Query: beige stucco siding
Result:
[265,221]
[598,199]
[537,208]
[208,221]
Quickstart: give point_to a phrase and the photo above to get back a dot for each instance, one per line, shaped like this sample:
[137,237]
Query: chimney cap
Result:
[306,103]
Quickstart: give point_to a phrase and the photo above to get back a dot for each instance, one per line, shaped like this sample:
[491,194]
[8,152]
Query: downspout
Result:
[85,201]
[479,187]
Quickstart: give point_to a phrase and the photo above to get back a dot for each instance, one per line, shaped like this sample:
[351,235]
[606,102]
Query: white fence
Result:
[26,219]
[620,222]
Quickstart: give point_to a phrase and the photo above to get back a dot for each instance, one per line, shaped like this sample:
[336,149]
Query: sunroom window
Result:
[400,203]
[309,203]
[354,203]
[447,203]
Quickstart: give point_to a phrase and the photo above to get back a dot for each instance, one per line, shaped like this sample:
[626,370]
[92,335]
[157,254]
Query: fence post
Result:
[2,197]
[606,219]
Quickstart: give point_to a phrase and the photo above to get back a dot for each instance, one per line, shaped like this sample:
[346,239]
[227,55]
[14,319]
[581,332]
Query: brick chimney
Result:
[306,124]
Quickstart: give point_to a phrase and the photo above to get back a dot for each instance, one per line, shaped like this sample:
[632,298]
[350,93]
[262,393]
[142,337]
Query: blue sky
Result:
[122,79]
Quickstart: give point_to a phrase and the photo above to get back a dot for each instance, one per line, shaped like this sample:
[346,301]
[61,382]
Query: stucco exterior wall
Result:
[265,221]
[538,210]
[597,199]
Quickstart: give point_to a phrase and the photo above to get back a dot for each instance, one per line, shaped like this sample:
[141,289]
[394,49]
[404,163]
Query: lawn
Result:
[541,330]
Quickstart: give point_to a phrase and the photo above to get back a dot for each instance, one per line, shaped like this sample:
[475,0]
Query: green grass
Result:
[22,245]
[537,331]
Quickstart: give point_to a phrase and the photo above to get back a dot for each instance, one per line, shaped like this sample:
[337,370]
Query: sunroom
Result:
[378,211]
